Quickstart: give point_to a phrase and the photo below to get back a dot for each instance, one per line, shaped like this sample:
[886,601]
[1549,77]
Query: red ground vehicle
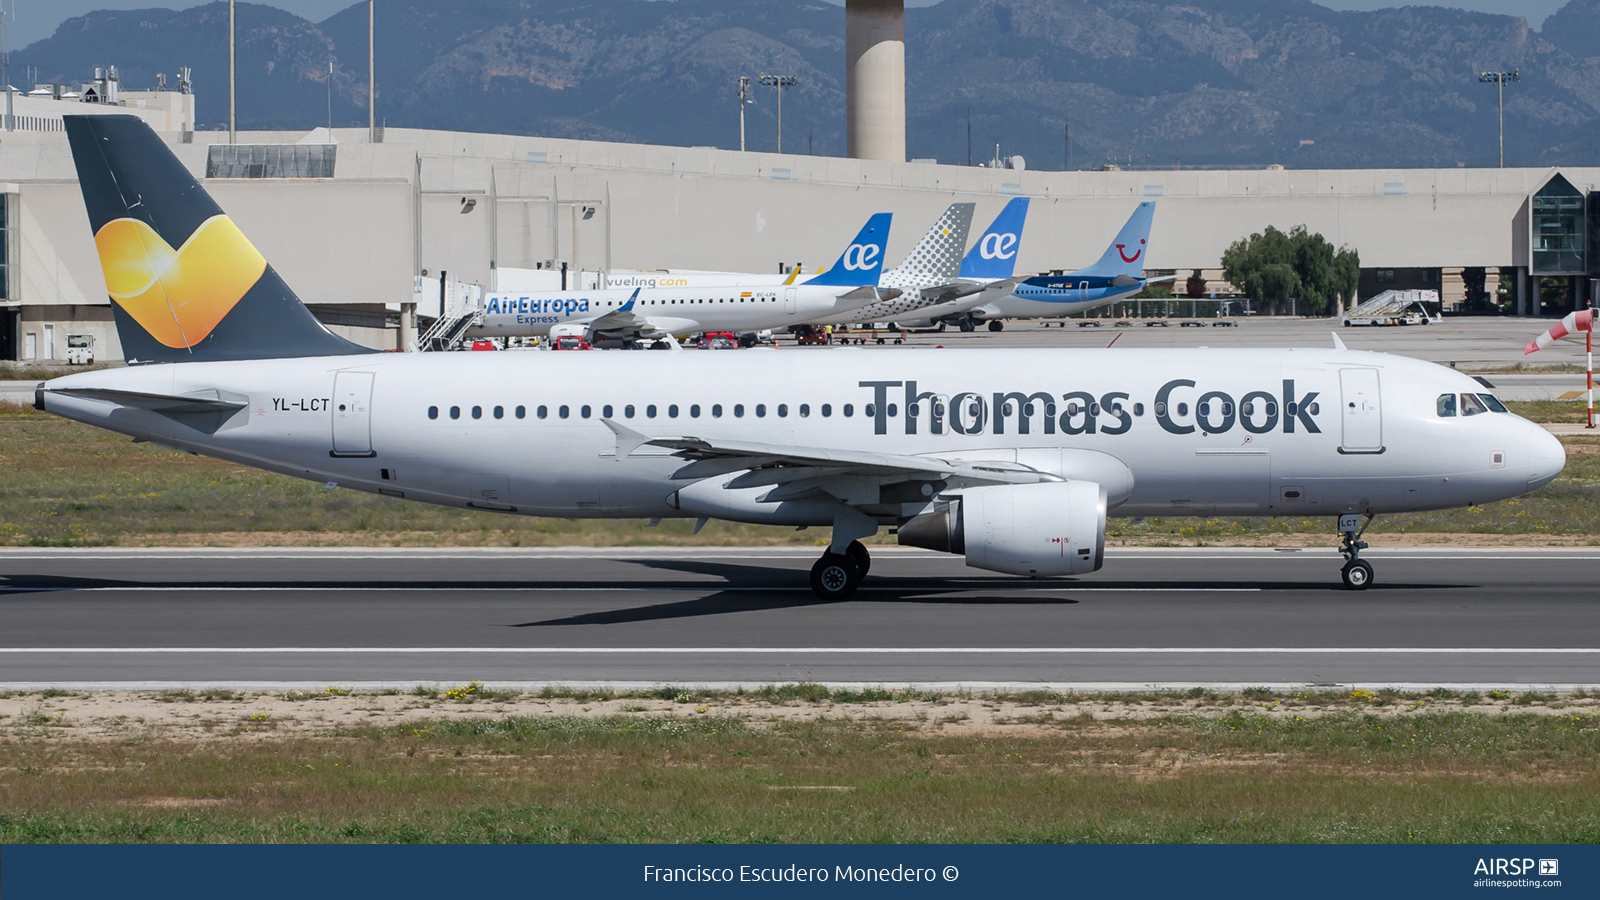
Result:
[811,334]
[483,345]
[718,340]
[570,342]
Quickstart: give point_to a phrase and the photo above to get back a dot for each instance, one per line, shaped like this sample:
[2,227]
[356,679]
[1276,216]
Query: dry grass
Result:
[777,767]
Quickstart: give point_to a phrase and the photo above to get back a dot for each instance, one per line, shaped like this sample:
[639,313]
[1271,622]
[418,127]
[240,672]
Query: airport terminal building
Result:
[373,228]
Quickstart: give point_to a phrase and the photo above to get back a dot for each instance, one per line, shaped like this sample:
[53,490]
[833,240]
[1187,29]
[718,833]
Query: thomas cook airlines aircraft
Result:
[1013,458]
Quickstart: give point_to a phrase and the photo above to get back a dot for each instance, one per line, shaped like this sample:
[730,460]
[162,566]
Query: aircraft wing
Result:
[796,472]
[624,322]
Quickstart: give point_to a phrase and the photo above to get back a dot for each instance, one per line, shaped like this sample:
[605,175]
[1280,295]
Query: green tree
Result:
[1273,267]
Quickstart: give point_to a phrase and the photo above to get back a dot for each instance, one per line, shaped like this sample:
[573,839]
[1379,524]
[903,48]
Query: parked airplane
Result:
[1013,458]
[659,313]
[936,273]
[1118,273]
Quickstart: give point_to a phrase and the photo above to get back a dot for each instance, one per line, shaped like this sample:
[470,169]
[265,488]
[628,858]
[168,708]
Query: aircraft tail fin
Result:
[1125,256]
[862,262]
[994,256]
[937,257]
[185,283]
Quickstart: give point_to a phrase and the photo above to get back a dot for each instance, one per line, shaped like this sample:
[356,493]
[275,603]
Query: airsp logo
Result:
[861,256]
[998,246]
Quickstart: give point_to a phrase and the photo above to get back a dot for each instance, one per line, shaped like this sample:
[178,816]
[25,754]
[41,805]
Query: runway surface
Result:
[718,617]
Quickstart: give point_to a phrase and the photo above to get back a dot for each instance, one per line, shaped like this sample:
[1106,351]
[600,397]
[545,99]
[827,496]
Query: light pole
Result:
[744,98]
[779,83]
[231,137]
[1499,79]
[372,89]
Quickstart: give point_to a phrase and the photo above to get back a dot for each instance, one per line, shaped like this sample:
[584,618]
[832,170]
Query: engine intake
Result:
[1055,528]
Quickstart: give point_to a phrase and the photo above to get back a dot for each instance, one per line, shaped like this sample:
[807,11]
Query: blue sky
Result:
[36,19]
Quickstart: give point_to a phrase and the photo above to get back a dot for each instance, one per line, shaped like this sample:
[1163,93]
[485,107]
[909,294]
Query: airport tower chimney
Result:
[875,78]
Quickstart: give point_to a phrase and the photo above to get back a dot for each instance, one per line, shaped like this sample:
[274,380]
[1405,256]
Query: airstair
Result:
[448,332]
[1394,308]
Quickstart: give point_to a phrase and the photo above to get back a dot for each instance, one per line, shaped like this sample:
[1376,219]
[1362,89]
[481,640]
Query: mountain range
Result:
[1134,82]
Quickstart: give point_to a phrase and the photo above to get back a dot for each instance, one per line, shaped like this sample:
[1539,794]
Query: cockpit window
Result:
[1447,406]
[1494,402]
[1471,405]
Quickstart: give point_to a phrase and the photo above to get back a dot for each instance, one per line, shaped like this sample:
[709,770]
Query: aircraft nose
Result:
[1545,455]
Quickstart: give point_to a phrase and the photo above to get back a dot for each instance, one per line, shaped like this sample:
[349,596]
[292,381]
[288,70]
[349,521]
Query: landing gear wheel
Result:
[966,325]
[996,325]
[1357,574]
[834,577]
[859,557]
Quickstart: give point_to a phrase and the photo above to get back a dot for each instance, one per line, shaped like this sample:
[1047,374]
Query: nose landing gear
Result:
[836,576]
[1357,572]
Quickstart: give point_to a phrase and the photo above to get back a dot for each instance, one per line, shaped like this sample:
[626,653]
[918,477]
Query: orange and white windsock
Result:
[1582,320]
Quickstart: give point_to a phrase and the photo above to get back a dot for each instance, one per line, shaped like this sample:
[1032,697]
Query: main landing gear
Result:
[1357,572]
[836,576]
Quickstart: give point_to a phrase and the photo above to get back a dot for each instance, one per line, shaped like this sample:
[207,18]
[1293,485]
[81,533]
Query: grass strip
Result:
[1242,777]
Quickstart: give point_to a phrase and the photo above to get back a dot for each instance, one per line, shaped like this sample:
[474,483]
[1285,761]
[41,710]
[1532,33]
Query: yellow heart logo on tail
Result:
[179,295]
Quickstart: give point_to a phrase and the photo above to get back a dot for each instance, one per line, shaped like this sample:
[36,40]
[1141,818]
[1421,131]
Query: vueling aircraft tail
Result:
[185,283]
[862,262]
[994,256]
[937,257]
[1125,256]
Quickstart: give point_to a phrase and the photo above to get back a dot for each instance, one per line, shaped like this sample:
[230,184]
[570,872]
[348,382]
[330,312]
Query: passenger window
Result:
[499,412]
[783,409]
[522,412]
[477,412]
[893,410]
[1204,407]
[650,411]
[1471,405]
[850,410]
[584,411]
[1446,405]
[1138,409]
[1493,402]
[738,410]
[544,412]
[455,412]
[1183,409]
[1161,408]
[805,410]
[827,410]
[673,410]
[628,410]
[716,410]
[915,410]
[433,412]
[694,411]
[761,409]
[564,412]
[607,411]
[865,410]
[1314,408]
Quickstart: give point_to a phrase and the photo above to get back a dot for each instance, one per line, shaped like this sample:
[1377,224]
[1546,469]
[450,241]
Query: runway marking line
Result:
[1012,651]
[957,588]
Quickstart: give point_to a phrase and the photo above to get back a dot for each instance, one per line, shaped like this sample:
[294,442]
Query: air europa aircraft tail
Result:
[994,256]
[1125,256]
[185,283]
[862,262]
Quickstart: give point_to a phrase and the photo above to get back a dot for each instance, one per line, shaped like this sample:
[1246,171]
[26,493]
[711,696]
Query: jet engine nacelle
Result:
[1055,528]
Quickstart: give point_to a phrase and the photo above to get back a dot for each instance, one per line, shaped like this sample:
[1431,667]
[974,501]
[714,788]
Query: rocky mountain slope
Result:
[1142,82]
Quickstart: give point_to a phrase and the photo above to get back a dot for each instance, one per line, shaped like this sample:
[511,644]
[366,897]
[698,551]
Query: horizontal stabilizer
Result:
[206,411]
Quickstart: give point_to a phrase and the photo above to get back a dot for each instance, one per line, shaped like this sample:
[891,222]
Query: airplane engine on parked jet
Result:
[1055,528]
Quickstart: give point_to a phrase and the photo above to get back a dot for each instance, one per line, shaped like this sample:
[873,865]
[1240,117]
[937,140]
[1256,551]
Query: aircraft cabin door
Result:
[1083,292]
[788,300]
[352,414]
[1360,412]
